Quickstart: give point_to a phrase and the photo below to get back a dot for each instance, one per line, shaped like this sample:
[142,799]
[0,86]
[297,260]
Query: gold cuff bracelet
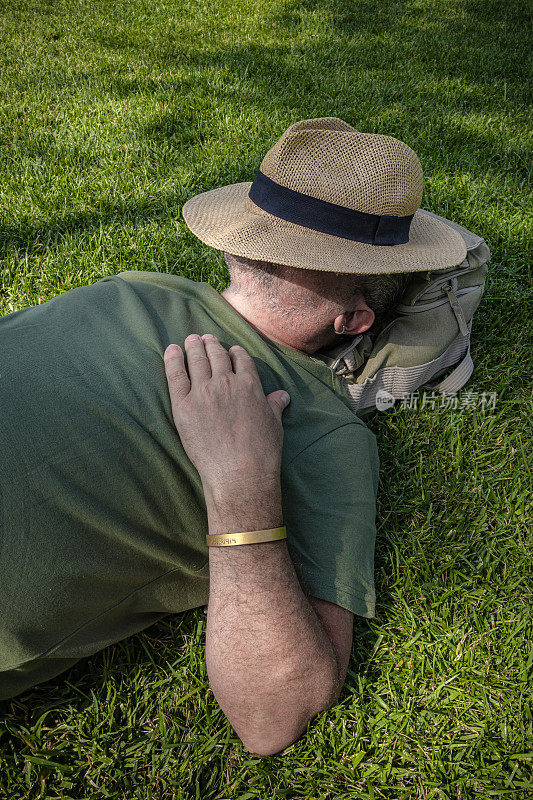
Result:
[246,537]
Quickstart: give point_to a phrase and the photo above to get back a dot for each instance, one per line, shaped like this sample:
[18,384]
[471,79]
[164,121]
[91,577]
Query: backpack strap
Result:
[458,376]
[400,381]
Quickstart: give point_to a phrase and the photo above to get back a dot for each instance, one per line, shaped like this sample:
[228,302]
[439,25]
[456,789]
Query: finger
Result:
[217,354]
[197,361]
[278,401]
[178,381]
[242,361]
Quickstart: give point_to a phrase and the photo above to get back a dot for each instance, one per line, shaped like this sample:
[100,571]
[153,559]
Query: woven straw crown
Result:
[330,161]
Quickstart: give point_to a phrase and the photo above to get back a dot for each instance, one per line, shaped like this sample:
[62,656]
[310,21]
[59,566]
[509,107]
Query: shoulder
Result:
[343,446]
[164,280]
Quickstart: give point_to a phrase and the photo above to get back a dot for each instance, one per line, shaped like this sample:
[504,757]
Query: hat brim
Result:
[226,219]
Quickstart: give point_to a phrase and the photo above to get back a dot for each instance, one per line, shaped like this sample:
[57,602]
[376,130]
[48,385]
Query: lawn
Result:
[112,114]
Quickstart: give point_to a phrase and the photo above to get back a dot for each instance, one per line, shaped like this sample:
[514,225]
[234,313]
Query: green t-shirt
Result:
[103,521]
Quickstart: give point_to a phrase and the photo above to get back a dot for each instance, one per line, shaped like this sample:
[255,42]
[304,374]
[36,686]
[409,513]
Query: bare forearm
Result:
[270,662]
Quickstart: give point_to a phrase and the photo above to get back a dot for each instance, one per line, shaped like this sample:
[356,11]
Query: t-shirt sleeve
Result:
[329,505]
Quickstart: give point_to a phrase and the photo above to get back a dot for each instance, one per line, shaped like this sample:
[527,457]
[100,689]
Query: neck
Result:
[291,336]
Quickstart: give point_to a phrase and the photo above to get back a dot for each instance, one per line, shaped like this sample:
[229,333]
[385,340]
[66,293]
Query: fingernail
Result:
[285,398]
[193,337]
[208,336]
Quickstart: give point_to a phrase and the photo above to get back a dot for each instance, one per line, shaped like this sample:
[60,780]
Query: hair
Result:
[381,292]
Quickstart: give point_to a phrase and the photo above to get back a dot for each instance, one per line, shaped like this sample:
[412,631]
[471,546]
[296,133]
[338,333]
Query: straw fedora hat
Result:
[329,197]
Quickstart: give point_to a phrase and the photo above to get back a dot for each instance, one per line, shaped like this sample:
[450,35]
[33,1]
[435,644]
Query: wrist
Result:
[244,507]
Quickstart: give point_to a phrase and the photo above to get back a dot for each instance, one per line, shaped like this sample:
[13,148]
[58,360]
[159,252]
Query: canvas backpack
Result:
[428,334]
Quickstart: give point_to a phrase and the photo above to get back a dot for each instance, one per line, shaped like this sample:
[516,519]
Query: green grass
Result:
[112,114]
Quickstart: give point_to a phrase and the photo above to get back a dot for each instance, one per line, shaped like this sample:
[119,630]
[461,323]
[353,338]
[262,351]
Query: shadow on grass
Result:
[411,54]
[34,239]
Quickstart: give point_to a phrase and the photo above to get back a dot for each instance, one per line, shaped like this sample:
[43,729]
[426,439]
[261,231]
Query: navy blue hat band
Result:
[319,215]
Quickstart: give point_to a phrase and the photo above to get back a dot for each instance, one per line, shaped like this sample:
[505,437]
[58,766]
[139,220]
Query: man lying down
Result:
[164,446]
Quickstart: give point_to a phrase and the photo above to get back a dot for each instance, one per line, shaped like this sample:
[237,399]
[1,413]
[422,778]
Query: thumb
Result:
[278,401]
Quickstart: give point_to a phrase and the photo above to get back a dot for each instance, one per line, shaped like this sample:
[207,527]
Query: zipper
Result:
[409,309]
[431,278]
[450,297]
[456,306]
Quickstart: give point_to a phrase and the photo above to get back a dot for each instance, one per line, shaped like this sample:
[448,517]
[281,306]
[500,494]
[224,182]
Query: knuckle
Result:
[222,382]
[176,375]
[248,380]
[196,358]
[219,355]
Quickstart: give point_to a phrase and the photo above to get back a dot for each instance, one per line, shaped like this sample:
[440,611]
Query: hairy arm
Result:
[271,664]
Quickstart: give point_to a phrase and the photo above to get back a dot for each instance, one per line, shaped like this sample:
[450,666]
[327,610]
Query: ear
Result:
[357,321]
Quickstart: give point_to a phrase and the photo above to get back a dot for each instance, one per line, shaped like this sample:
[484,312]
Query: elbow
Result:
[268,743]
[274,739]
[268,722]
[274,736]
